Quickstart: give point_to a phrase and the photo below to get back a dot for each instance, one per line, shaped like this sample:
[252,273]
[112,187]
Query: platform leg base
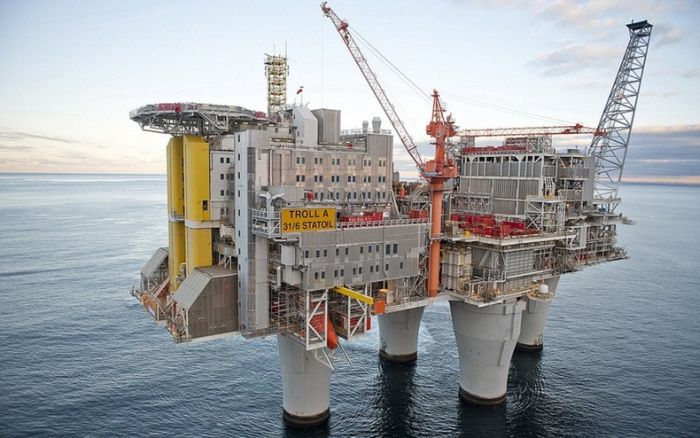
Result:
[474,400]
[399,359]
[525,348]
[298,422]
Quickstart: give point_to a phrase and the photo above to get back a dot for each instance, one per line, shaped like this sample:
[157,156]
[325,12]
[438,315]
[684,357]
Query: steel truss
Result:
[610,148]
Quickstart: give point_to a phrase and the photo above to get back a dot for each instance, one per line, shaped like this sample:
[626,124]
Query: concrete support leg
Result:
[398,335]
[534,318]
[486,338]
[305,385]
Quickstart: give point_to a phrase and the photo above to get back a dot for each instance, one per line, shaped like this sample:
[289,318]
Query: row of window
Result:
[367,196]
[339,273]
[336,161]
[389,249]
[335,178]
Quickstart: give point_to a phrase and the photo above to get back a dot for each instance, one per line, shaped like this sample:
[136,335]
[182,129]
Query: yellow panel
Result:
[198,243]
[301,220]
[176,191]
[176,254]
[196,178]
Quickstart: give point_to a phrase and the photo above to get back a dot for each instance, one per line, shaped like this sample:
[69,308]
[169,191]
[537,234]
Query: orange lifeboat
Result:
[331,336]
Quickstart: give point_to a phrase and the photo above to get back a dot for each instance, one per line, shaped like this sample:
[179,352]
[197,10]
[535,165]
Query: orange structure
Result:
[436,172]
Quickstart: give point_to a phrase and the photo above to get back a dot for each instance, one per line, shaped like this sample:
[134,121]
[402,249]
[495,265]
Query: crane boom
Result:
[528,131]
[610,149]
[342,27]
[436,171]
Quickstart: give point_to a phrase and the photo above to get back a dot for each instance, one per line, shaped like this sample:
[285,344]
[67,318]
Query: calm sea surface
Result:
[80,357]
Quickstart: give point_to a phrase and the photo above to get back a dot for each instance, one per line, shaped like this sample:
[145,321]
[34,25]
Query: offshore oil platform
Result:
[282,224]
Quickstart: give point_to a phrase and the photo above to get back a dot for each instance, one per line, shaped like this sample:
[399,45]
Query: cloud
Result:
[666,35]
[29,136]
[574,58]
[590,15]
[691,73]
[18,135]
[15,147]
[664,151]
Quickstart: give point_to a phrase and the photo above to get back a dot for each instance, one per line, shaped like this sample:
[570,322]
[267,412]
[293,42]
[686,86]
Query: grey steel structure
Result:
[610,149]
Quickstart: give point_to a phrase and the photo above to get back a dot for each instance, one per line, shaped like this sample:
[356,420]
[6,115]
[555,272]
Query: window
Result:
[318,253]
[354,271]
[320,178]
[228,160]
[376,268]
[315,275]
[360,270]
[222,176]
[362,250]
[337,252]
[303,160]
[377,248]
[306,253]
[371,269]
[303,178]
[387,250]
[221,160]
[369,249]
[342,272]
[320,161]
[369,179]
[323,275]
[347,251]
[222,193]
[349,178]
[401,265]
[387,267]
[239,157]
[396,248]
[325,253]
[298,160]
[335,273]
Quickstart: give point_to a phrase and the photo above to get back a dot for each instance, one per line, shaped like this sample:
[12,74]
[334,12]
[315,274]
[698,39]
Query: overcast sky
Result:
[70,71]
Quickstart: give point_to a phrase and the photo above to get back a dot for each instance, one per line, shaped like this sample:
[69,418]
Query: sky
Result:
[70,72]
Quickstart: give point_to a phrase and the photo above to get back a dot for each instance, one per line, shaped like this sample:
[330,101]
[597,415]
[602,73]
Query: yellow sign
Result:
[302,220]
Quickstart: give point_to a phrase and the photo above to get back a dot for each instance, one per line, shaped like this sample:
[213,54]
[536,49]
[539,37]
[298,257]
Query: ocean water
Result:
[80,357]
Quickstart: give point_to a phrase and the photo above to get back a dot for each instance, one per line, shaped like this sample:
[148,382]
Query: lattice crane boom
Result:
[610,149]
[342,27]
[529,131]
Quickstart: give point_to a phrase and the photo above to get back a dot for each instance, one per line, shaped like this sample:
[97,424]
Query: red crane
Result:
[440,128]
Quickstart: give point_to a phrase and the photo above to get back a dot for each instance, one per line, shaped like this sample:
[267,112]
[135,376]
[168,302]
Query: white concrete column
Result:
[305,385]
[486,338]
[398,335]
[535,316]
